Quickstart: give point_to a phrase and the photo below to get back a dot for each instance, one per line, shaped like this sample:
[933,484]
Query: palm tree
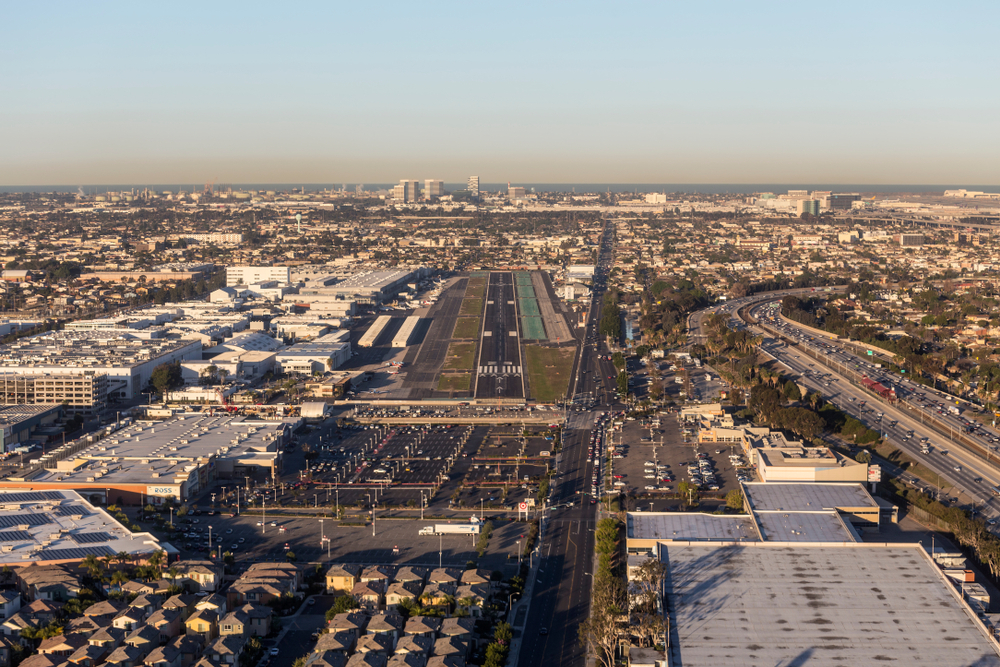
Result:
[172,573]
[92,565]
[156,560]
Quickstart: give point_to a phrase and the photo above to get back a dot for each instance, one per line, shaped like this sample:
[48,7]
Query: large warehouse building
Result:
[150,461]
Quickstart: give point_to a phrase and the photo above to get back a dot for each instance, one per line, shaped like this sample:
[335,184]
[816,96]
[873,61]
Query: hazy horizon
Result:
[605,93]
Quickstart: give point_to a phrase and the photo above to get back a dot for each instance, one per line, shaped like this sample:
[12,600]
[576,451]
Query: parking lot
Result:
[652,460]
[395,541]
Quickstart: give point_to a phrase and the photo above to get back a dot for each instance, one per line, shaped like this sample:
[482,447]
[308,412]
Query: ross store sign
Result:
[163,491]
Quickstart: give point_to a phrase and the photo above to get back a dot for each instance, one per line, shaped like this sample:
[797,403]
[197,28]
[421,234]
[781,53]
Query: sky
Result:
[552,92]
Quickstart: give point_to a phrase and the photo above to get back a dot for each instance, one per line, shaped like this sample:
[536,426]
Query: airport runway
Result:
[499,369]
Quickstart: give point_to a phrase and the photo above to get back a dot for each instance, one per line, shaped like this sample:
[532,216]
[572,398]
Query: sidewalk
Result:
[523,606]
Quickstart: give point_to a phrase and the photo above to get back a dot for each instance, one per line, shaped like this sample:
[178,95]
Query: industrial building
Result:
[374,331]
[319,355]
[407,332]
[59,526]
[126,358]
[150,461]
[18,422]
[250,275]
[83,394]
[785,603]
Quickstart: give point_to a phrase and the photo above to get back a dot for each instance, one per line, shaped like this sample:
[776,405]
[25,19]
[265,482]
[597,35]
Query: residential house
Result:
[125,656]
[12,626]
[414,644]
[164,656]
[55,583]
[169,622]
[407,590]
[470,577]
[190,647]
[198,575]
[128,619]
[340,579]
[216,602]
[368,594]
[438,595]
[147,603]
[145,638]
[259,619]
[183,603]
[410,573]
[326,659]
[104,611]
[108,638]
[460,628]
[235,622]
[204,623]
[241,593]
[383,644]
[226,650]
[380,573]
[444,575]
[83,625]
[341,641]
[473,598]
[10,603]
[61,646]
[351,620]
[445,661]
[370,659]
[388,624]
[87,656]
[423,626]
[407,660]
[39,660]
[451,646]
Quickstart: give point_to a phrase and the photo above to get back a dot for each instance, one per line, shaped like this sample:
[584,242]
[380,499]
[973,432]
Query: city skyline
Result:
[629,94]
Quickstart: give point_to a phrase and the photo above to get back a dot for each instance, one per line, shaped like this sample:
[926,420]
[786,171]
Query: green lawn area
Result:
[455,382]
[471,307]
[459,357]
[548,371]
[466,327]
[475,290]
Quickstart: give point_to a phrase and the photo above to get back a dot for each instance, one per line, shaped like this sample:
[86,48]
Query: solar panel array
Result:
[70,510]
[77,553]
[8,520]
[30,496]
[90,538]
[15,536]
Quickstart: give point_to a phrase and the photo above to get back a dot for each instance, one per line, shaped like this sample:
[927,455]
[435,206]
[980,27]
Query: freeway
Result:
[560,599]
[905,428]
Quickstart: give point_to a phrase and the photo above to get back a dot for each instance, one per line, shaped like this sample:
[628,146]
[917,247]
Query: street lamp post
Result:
[210,542]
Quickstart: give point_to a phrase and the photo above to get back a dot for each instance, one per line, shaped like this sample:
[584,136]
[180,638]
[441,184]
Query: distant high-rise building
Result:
[406,191]
[515,192]
[810,206]
[473,185]
[433,188]
[843,201]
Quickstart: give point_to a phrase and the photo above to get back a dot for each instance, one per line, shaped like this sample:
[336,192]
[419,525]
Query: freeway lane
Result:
[956,467]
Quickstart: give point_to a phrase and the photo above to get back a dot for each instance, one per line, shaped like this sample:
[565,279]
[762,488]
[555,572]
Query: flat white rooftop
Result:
[41,526]
[805,527]
[802,497]
[816,606]
[689,526]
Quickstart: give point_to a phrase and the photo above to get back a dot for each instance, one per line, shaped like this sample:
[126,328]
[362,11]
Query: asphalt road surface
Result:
[500,365]
[561,596]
